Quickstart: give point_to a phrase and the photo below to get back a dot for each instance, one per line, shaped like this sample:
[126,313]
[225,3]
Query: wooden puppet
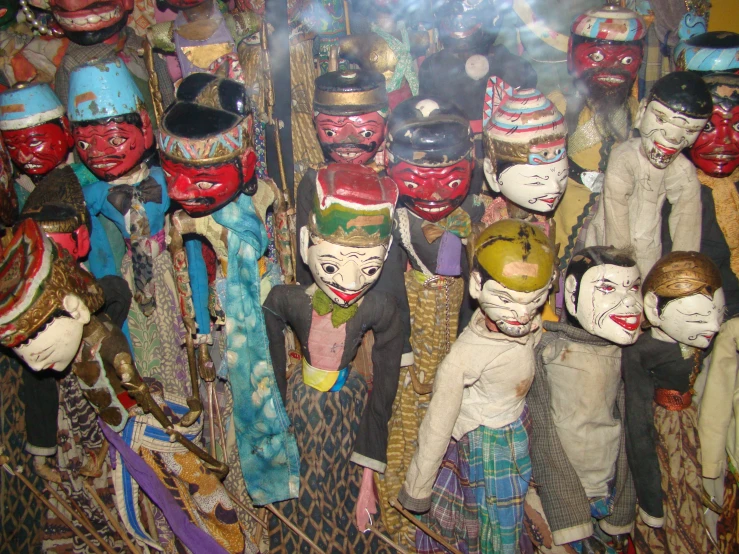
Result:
[477,414]
[525,154]
[341,430]
[584,499]
[36,133]
[684,303]
[603,56]
[644,171]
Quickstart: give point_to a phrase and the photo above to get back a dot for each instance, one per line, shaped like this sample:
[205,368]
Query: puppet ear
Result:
[475,284]
[304,242]
[570,299]
[76,308]
[650,309]
[489,171]
[640,113]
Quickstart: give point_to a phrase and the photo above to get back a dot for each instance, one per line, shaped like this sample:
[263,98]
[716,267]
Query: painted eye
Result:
[710,127]
[558,152]
[635,288]
[117,141]
[627,60]
[454,184]
[505,301]
[410,184]
[736,126]
[330,133]
[329,268]
[367,134]
[204,185]
[606,289]
[166,173]
[596,57]
[370,271]
[35,143]
[82,145]
[10,147]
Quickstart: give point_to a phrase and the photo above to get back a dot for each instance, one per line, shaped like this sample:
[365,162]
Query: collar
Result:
[322,305]
[477,325]
[133,177]
[575,334]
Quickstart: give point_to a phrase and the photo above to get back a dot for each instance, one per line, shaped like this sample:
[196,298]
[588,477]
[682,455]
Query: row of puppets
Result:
[488,320]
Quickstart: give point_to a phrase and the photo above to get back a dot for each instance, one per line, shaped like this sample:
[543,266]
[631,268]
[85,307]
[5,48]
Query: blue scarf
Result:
[268,452]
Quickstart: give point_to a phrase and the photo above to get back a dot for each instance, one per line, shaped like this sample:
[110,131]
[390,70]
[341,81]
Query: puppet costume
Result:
[339,430]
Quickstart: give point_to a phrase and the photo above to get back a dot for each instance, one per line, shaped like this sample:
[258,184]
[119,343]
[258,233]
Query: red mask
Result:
[76,243]
[201,190]
[39,149]
[716,151]
[112,149]
[432,193]
[608,65]
[350,139]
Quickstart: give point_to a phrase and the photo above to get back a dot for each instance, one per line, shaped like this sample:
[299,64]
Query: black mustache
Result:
[332,147]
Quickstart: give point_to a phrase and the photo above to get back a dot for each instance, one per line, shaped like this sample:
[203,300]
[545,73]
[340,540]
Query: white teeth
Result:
[434,210]
[88,19]
[93,18]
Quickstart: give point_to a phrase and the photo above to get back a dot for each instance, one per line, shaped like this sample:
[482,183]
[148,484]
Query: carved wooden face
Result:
[665,133]
[38,149]
[608,69]
[607,302]
[350,139]
[692,320]
[716,150]
[76,243]
[432,193]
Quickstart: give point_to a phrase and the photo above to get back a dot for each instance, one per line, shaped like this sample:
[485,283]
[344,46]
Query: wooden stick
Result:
[383,537]
[263,525]
[293,527]
[423,527]
[246,508]
[113,521]
[150,519]
[54,509]
[82,519]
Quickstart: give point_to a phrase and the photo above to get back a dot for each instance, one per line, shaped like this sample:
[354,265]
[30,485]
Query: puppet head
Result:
[603,294]
[605,52]
[206,146]
[35,130]
[513,271]
[111,127]
[524,142]
[46,299]
[57,204]
[672,116]
[429,153]
[89,22]
[468,27]
[349,230]
[716,150]
[349,112]
[684,299]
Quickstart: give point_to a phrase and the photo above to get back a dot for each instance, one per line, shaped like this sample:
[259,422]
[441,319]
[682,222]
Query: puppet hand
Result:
[620,542]
[593,545]
[367,500]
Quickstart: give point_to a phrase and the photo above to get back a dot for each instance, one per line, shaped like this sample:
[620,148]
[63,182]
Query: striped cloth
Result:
[478,497]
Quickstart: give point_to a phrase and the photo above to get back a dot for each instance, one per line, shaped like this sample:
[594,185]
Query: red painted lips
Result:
[628,322]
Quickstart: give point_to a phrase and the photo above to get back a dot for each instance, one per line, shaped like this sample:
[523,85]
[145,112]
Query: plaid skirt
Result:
[477,502]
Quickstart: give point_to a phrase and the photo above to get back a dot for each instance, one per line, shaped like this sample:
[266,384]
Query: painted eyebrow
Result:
[329,256]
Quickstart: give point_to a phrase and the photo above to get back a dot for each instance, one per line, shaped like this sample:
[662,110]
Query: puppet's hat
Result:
[428,132]
[612,23]
[102,89]
[708,52]
[680,274]
[516,254]
[34,279]
[516,119]
[27,106]
[57,203]
[351,92]
[353,206]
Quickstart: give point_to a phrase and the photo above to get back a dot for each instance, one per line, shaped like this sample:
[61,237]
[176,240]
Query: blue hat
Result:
[28,106]
[102,89]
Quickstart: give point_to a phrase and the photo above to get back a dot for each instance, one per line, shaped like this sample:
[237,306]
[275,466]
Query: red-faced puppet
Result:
[206,146]
[89,22]
[349,109]
[35,130]
[429,153]
[716,151]
[605,52]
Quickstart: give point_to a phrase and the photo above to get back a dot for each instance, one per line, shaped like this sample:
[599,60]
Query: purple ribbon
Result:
[192,536]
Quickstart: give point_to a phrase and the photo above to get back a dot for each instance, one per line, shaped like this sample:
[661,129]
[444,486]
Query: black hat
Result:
[683,92]
[428,132]
[350,93]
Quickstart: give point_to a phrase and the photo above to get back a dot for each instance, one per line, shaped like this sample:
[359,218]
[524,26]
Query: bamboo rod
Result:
[425,528]
[113,521]
[383,537]
[293,527]
[248,510]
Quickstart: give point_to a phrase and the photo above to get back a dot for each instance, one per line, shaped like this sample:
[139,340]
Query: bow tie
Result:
[121,196]
[458,222]
[322,305]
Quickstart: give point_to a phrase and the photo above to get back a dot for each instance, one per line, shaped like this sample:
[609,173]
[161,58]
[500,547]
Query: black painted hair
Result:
[53,317]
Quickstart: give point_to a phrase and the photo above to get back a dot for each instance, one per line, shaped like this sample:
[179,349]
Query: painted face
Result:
[344,273]
[538,188]
[91,17]
[112,149]
[665,133]
[716,151]
[76,243]
[609,302]
[55,347]
[513,312]
[201,190]
[350,139]
[39,149]
[432,193]
[606,66]
[693,320]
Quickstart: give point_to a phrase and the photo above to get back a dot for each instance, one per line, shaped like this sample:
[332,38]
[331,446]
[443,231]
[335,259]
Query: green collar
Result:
[322,305]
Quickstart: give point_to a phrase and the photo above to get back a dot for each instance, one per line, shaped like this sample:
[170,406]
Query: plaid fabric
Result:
[478,496]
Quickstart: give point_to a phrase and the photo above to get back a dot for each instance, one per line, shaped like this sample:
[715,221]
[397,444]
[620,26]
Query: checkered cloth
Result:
[477,500]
